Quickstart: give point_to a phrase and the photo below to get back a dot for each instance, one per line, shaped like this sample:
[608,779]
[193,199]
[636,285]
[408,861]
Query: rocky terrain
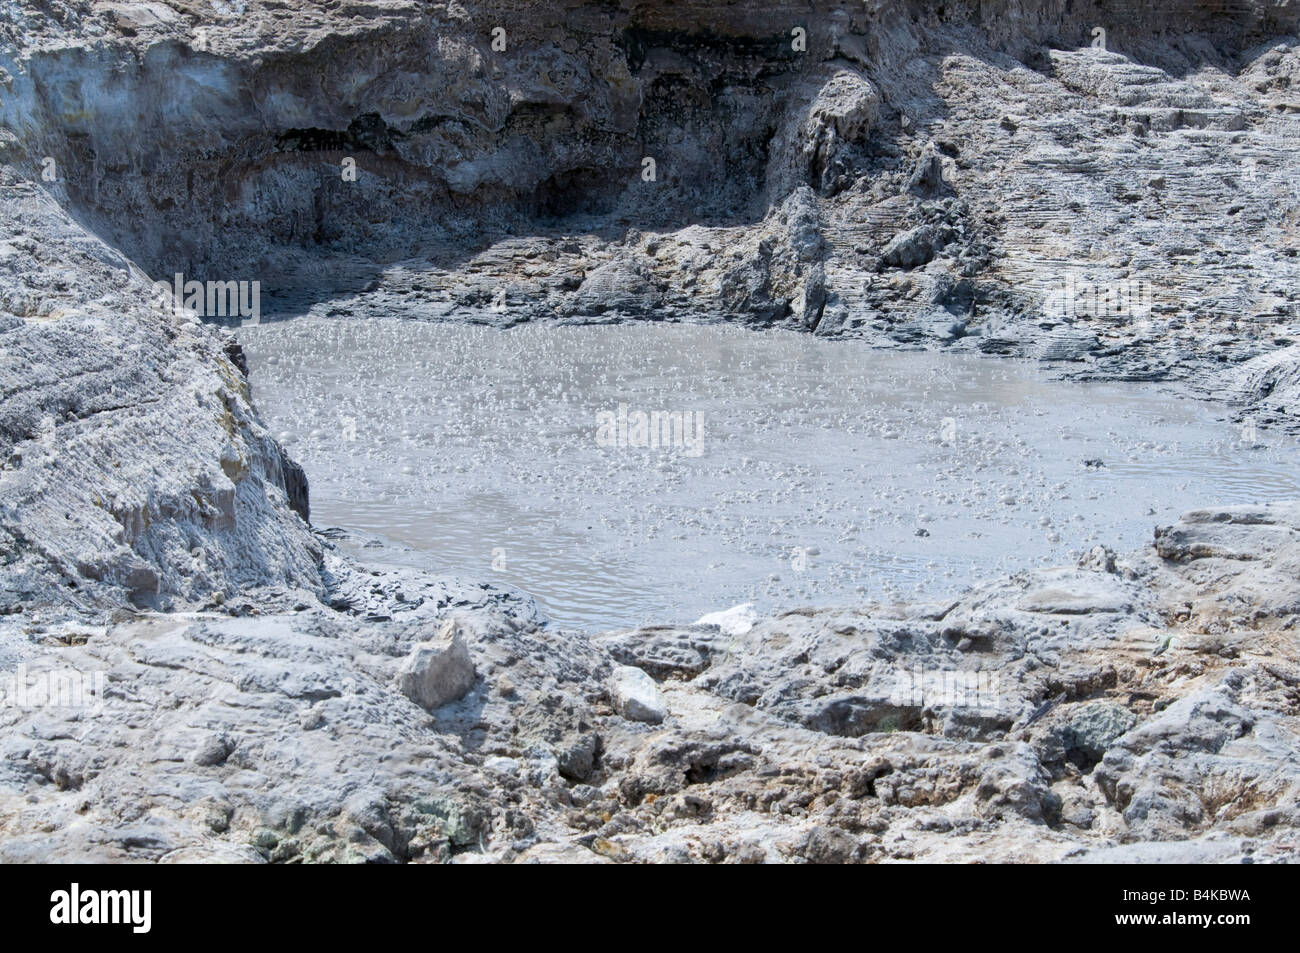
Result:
[431,722]
[907,172]
[964,176]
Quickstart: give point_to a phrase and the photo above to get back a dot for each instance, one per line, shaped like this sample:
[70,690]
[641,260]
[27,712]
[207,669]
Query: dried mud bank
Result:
[968,177]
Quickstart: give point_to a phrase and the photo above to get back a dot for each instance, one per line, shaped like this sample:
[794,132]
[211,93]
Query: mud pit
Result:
[825,472]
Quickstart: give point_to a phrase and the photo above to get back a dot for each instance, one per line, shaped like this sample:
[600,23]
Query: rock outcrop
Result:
[135,471]
[1112,188]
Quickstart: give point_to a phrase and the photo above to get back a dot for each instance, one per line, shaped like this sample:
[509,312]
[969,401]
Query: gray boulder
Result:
[635,695]
[439,671]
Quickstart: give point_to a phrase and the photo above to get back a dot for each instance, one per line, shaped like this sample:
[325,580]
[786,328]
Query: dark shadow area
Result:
[273,204]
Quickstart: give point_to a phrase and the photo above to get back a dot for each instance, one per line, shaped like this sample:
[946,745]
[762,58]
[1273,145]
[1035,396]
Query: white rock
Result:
[438,671]
[502,765]
[636,696]
[734,621]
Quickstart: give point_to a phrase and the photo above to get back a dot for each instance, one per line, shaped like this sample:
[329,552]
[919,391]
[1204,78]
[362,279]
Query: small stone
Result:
[1095,726]
[635,695]
[830,845]
[438,671]
[576,756]
[212,750]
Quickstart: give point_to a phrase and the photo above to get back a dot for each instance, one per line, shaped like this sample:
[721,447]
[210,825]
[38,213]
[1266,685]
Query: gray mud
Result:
[827,472]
